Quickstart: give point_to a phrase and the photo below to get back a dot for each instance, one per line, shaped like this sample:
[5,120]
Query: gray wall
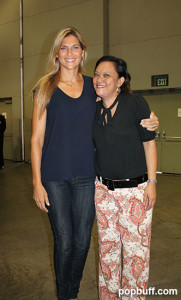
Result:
[148,35]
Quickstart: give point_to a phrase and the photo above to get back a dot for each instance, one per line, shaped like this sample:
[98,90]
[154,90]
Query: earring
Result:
[118,90]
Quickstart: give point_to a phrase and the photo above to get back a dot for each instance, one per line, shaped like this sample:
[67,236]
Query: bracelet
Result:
[152,180]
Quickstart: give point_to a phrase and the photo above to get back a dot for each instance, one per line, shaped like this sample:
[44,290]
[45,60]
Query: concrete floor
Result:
[26,247]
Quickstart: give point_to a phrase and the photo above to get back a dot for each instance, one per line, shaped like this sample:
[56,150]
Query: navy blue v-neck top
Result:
[68,149]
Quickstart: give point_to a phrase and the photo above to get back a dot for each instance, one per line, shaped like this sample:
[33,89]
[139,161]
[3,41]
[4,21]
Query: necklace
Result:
[69,84]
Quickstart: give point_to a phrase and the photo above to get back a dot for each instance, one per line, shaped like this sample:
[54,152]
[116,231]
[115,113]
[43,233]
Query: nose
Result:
[99,78]
[69,51]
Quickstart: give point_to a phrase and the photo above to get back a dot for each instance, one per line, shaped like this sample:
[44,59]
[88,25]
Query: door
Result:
[168,137]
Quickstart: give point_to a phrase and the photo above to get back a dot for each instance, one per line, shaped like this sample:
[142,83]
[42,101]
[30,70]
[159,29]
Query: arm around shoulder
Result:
[152,123]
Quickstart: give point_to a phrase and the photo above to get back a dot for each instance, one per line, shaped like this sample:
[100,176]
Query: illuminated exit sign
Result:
[159,80]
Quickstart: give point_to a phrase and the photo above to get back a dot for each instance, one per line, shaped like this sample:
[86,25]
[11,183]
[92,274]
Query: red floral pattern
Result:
[122,221]
[137,211]
[103,222]
[137,266]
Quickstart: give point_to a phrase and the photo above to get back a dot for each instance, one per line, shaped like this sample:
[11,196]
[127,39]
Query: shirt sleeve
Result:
[142,111]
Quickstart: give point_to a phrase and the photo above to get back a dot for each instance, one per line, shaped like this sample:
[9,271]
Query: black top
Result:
[68,149]
[119,144]
[2,124]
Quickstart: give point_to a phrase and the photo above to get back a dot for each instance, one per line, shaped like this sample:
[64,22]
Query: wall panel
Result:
[34,7]
[9,37]
[40,30]
[134,21]
[10,78]
[9,11]
[147,34]
[147,58]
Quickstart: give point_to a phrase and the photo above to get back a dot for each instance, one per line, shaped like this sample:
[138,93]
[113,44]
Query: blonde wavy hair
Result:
[47,84]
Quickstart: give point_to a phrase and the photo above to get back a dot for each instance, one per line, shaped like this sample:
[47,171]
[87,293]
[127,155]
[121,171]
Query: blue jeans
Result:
[71,215]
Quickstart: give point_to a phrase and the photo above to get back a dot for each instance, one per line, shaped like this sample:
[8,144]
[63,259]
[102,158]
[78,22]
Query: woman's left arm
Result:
[151,161]
[151,124]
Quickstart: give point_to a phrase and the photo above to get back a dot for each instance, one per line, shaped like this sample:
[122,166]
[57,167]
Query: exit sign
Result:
[159,80]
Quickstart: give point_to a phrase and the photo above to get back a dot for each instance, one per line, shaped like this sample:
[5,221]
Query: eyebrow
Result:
[103,72]
[70,45]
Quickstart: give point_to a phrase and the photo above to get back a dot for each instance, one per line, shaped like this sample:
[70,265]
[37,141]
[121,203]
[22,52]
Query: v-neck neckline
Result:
[74,98]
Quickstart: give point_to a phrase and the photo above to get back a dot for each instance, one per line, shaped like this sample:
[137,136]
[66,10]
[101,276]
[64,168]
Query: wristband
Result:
[152,180]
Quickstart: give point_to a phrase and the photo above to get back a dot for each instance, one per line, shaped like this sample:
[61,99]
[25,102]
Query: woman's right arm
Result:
[38,132]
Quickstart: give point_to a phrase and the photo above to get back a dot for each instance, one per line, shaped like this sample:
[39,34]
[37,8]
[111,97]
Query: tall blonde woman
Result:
[62,156]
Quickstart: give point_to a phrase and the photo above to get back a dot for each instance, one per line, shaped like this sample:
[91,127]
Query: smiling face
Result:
[106,81]
[70,53]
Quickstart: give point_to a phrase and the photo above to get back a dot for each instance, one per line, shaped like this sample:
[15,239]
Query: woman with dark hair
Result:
[126,161]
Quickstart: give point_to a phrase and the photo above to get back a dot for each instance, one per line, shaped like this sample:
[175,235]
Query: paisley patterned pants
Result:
[124,228]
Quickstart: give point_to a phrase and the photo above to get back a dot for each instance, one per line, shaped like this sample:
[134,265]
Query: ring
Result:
[153,126]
